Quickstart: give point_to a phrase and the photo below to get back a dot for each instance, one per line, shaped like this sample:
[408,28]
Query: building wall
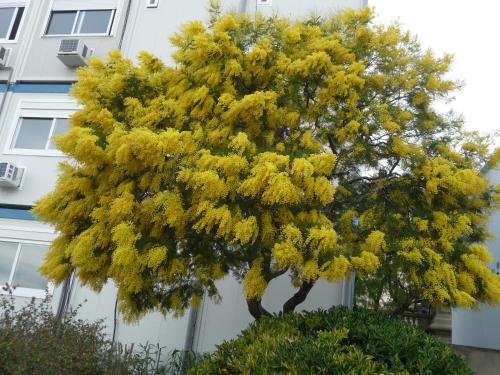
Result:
[480,328]
[219,321]
[37,84]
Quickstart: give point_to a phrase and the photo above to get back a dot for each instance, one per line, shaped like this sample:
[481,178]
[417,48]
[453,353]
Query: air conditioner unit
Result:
[264,2]
[4,53]
[10,175]
[73,53]
[152,3]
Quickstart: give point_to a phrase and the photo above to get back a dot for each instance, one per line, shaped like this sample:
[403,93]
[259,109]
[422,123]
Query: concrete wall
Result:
[481,328]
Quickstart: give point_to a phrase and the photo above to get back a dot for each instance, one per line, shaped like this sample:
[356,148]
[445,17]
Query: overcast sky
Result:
[470,30]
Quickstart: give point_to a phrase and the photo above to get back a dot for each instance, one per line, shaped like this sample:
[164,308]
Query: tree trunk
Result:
[298,297]
[256,309]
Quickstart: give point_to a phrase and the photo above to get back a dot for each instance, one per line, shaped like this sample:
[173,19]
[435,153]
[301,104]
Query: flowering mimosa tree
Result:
[272,146]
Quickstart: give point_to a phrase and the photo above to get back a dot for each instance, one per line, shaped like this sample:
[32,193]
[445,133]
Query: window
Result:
[19,263]
[10,19]
[80,22]
[35,133]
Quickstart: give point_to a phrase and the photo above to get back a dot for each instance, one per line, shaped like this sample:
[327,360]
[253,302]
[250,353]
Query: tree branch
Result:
[256,309]
[298,297]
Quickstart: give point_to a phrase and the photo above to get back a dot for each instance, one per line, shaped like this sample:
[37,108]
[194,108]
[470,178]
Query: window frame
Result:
[20,291]
[75,23]
[38,109]
[45,150]
[16,5]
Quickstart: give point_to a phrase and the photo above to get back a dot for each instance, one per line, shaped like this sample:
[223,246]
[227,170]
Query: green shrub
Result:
[338,341]
[34,341]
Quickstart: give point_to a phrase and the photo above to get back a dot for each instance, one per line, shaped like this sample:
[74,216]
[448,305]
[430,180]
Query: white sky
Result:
[470,30]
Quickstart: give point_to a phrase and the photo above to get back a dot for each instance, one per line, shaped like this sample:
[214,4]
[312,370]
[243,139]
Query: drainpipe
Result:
[125,22]
[193,312]
[190,336]
[7,85]
[243,6]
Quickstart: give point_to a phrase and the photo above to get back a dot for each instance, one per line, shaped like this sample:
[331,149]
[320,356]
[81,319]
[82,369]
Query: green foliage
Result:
[339,341]
[34,341]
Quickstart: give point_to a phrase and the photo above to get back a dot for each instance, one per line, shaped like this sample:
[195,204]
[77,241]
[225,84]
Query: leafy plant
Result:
[338,341]
[34,341]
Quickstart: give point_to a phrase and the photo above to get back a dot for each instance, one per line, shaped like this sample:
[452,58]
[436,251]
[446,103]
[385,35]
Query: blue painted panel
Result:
[62,88]
[16,213]
[3,87]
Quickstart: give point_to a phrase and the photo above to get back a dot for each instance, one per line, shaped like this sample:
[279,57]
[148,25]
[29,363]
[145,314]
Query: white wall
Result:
[154,328]
[219,322]
[143,32]
[481,328]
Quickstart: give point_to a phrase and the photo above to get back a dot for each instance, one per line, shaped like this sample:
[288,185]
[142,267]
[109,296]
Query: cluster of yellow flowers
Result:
[226,161]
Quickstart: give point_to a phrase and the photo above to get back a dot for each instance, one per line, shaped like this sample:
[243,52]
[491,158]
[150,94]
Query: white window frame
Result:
[38,109]
[75,23]
[49,139]
[17,5]
[19,291]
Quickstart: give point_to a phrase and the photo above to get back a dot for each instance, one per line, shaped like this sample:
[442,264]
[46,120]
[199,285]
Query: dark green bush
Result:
[34,341]
[338,341]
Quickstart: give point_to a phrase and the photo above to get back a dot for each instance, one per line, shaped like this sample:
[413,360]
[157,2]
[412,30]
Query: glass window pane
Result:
[33,133]
[26,274]
[5,19]
[61,23]
[7,254]
[95,21]
[60,128]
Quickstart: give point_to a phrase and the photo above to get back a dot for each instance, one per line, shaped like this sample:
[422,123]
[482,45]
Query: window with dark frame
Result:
[10,20]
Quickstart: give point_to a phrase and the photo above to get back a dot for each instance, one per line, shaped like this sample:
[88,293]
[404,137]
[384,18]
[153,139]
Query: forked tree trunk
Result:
[298,297]
[257,310]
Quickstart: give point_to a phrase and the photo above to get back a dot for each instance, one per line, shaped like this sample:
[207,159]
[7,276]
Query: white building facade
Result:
[37,70]
[480,327]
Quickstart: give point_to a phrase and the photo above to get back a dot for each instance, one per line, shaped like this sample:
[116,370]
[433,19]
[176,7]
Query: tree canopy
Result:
[272,146]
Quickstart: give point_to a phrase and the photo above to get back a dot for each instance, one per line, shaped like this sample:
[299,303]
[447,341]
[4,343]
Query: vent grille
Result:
[8,171]
[3,169]
[68,45]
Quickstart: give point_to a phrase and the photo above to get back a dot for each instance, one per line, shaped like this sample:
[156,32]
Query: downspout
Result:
[7,85]
[193,312]
[67,287]
[243,6]
[125,22]
[120,44]
[190,336]
[64,299]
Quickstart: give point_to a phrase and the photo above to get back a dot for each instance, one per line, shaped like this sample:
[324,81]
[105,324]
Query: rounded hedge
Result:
[338,341]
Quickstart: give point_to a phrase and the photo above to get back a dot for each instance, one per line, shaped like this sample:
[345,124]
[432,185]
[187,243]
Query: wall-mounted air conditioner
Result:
[10,175]
[152,3]
[73,53]
[264,2]
[4,54]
